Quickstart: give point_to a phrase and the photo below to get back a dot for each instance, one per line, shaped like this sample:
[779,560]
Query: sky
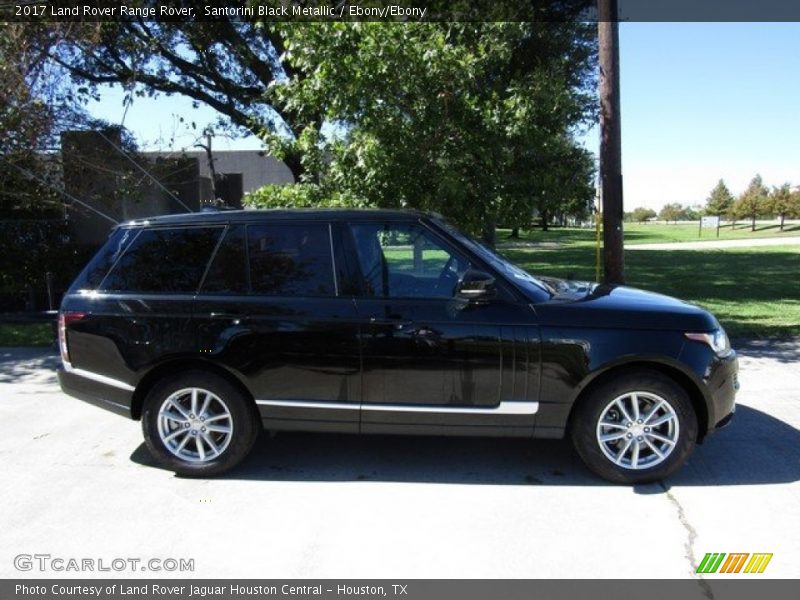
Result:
[700,102]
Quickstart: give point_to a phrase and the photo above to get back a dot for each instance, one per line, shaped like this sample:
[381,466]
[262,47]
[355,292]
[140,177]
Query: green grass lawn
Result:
[653,233]
[754,292]
[26,334]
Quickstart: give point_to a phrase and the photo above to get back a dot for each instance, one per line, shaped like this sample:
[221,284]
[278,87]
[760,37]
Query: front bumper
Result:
[722,382]
[99,393]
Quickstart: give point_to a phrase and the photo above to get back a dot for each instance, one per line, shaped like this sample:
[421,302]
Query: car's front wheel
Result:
[198,424]
[635,428]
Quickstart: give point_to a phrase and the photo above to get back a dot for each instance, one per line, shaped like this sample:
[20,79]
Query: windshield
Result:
[522,278]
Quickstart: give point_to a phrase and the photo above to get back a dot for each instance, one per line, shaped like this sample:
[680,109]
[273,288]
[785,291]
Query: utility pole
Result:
[610,142]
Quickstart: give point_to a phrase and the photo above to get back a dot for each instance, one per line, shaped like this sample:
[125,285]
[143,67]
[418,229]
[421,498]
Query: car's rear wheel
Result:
[198,424]
[635,428]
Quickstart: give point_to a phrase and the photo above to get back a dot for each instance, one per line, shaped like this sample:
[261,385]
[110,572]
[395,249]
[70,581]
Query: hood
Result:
[584,304]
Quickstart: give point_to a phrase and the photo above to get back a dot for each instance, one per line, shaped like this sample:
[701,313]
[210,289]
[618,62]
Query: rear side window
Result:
[164,260]
[98,267]
[291,259]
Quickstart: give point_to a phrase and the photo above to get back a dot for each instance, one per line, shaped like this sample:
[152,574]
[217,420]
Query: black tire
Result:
[245,423]
[584,427]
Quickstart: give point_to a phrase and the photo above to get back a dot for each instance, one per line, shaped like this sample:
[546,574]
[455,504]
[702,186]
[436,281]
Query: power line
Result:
[143,170]
[30,175]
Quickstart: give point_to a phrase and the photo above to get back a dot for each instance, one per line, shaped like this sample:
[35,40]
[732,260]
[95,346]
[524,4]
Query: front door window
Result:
[405,261]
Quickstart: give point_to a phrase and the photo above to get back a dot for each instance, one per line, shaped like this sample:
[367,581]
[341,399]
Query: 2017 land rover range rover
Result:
[210,326]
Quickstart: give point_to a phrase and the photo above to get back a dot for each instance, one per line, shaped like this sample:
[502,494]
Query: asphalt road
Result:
[78,483]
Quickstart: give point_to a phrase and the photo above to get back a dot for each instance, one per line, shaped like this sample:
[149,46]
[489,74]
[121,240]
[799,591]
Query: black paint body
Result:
[349,362]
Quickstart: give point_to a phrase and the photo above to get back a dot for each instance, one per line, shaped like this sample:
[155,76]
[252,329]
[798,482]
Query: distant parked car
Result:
[210,326]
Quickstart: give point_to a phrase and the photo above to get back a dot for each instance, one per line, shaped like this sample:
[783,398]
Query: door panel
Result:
[288,334]
[299,357]
[427,352]
[431,360]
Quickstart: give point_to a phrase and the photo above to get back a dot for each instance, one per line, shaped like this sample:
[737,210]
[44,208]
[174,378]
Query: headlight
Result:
[717,340]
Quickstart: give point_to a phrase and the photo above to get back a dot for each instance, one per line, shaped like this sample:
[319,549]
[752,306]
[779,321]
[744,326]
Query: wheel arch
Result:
[668,368]
[175,366]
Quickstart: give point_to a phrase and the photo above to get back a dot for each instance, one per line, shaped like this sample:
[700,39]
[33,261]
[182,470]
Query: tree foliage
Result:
[475,120]
[227,65]
[720,201]
[671,212]
[784,203]
[37,103]
[641,214]
[471,120]
[753,202]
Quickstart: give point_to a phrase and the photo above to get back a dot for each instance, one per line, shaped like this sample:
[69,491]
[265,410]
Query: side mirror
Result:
[476,286]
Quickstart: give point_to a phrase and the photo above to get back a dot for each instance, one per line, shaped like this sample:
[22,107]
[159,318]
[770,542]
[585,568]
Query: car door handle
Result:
[396,323]
[226,315]
[424,331]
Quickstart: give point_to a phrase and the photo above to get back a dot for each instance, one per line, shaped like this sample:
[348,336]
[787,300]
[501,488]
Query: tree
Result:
[720,201]
[753,202]
[552,191]
[641,214]
[225,64]
[671,212]
[472,120]
[784,203]
[691,213]
[447,116]
[36,105]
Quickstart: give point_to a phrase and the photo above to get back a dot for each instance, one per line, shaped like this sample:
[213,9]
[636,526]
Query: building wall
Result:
[100,175]
[97,173]
[256,168]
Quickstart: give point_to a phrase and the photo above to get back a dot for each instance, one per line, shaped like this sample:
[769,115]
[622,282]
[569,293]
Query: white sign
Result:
[709,222]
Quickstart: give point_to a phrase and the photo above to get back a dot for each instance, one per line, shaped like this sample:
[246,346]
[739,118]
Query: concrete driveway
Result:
[78,483]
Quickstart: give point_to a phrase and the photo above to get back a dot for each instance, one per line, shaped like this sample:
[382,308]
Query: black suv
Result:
[210,326]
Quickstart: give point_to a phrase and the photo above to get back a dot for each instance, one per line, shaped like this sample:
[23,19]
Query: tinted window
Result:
[405,261]
[164,260]
[228,271]
[96,270]
[290,259]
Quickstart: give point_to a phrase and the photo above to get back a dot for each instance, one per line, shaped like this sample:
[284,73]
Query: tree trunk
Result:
[294,162]
[544,220]
[753,224]
[488,235]
[514,233]
[783,218]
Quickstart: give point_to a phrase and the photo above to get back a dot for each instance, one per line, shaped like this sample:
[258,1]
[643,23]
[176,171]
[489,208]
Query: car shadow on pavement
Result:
[755,449]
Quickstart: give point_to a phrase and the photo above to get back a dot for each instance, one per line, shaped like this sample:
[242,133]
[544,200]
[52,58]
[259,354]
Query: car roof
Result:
[301,214]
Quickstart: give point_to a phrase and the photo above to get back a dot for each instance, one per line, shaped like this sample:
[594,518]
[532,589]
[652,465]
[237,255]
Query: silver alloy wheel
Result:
[195,425]
[638,430]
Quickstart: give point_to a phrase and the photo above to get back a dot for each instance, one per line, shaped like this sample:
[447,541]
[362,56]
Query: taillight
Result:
[64,319]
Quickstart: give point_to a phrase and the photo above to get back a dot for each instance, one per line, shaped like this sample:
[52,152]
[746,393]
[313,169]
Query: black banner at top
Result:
[395,10]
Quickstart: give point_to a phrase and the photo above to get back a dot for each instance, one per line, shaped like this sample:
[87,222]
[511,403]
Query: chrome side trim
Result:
[504,408]
[99,378]
[309,404]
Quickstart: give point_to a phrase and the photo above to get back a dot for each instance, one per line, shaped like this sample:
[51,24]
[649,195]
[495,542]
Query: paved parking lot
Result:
[79,483]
